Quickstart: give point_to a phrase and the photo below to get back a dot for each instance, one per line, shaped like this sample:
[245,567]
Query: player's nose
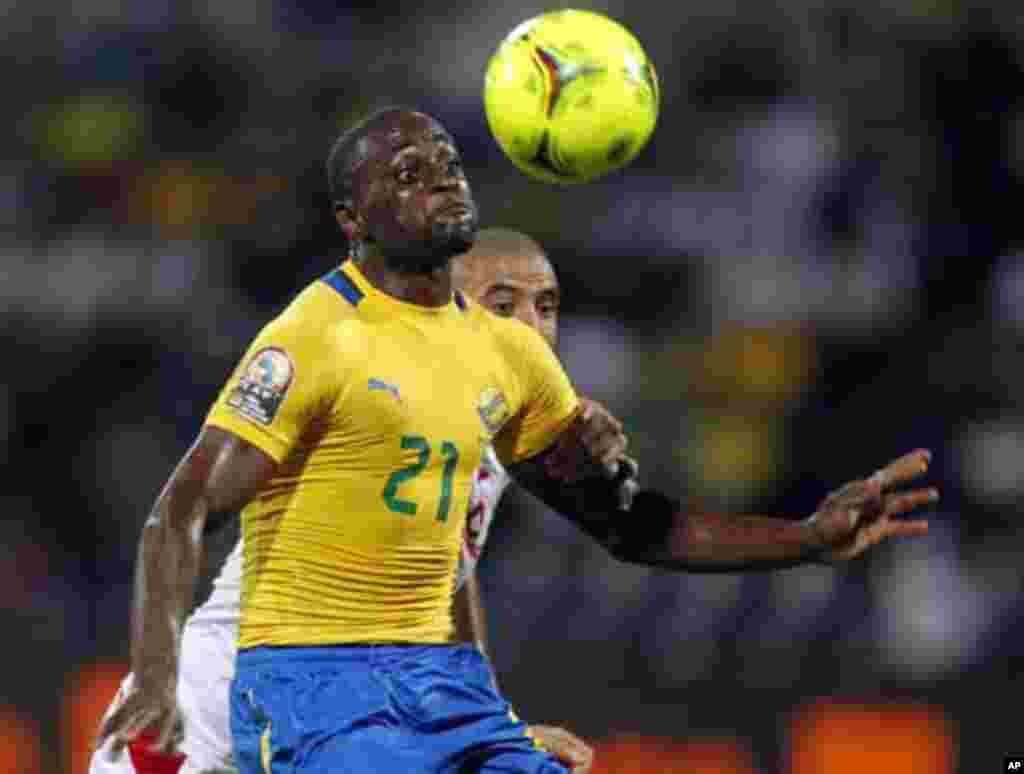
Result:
[445,179]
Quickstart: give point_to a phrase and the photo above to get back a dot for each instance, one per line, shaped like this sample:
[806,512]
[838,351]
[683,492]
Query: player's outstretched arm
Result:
[219,474]
[656,529]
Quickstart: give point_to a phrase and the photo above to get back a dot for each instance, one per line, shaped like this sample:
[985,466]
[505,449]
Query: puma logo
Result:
[380,384]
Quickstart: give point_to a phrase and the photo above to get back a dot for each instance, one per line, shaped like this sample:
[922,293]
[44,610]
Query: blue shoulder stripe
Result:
[338,280]
[460,300]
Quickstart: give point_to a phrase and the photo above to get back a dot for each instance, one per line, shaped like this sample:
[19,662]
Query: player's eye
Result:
[406,175]
[548,310]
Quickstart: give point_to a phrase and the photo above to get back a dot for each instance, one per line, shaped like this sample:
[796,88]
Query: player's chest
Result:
[455,388]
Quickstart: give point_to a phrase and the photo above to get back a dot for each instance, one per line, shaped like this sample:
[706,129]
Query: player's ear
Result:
[350,221]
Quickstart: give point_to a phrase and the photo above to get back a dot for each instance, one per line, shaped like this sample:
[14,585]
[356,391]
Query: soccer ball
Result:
[570,96]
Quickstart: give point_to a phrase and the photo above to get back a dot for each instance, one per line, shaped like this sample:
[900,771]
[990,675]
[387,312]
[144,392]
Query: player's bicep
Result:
[240,469]
[219,474]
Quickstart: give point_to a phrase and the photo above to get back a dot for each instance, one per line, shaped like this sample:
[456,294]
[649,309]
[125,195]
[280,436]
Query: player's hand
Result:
[602,437]
[864,512]
[594,441]
[566,746]
[144,709]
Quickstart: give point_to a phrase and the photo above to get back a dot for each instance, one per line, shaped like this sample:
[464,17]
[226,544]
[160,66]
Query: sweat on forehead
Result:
[397,127]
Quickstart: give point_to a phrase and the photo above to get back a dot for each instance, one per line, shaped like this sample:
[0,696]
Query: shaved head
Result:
[491,242]
[509,273]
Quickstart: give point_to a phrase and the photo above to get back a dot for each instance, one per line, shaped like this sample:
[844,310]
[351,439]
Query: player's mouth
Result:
[454,208]
[455,211]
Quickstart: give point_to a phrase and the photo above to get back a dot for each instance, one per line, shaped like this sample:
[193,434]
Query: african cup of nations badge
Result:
[493,409]
[263,385]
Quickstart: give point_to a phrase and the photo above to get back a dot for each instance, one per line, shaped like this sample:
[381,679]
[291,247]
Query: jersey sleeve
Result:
[278,388]
[548,400]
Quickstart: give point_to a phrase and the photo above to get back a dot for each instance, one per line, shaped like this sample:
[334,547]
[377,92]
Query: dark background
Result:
[812,268]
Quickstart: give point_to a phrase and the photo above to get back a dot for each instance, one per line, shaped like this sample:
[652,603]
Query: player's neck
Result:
[424,284]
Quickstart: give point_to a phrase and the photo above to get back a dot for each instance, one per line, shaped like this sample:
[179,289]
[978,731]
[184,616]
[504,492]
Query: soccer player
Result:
[509,274]
[349,435]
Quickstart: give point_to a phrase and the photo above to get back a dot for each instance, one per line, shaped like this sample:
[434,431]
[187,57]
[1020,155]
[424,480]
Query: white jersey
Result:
[224,605]
[489,485]
[207,663]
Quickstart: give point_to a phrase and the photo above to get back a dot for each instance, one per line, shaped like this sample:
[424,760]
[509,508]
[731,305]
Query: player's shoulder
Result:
[316,314]
[327,299]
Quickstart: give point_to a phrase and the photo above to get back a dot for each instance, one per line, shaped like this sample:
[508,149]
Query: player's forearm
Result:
[170,551]
[709,542]
[165,581]
[656,530]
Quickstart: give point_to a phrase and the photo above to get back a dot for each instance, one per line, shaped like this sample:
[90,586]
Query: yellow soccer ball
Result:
[570,96]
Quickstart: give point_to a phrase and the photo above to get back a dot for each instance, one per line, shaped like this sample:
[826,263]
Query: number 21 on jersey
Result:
[420,444]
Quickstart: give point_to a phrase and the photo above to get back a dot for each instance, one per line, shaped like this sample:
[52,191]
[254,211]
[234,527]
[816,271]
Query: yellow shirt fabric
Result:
[377,412]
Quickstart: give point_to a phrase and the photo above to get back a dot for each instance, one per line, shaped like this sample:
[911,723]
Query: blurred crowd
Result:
[814,267]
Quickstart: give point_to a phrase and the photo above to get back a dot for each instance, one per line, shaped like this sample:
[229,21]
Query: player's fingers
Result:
[853,510]
[552,738]
[600,415]
[138,723]
[565,746]
[129,730]
[903,502]
[869,505]
[586,410]
[596,418]
[903,469]
[115,716]
[169,734]
[596,432]
[905,528]
[582,753]
[584,766]
[107,725]
[852,496]
[603,419]
[606,448]
[611,454]
[595,440]
[113,727]
[116,746]
[570,741]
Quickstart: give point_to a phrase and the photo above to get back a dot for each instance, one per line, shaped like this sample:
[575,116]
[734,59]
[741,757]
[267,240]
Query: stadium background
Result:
[812,268]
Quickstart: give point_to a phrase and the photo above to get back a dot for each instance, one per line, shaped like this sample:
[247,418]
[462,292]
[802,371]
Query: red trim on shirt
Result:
[146,760]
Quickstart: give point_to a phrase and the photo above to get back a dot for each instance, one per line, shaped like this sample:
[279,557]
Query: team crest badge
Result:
[493,409]
[263,385]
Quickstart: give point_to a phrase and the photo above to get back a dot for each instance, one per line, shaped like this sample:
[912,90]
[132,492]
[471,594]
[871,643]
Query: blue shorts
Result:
[376,709]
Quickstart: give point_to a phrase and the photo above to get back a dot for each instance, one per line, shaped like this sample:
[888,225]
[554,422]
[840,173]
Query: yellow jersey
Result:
[378,412]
